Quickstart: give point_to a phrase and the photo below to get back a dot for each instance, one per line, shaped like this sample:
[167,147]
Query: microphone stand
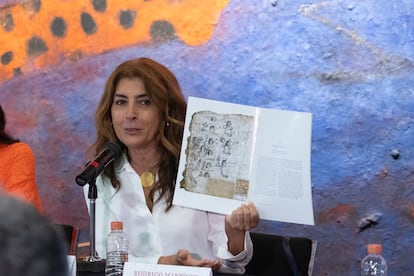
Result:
[92,195]
[92,263]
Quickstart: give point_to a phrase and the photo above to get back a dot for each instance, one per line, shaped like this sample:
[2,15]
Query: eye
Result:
[144,102]
[119,101]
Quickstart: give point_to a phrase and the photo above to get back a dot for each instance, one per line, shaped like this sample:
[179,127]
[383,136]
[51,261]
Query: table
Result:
[97,268]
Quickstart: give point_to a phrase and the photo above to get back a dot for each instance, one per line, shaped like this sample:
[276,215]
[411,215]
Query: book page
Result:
[219,153]
[281,173]
[232,154]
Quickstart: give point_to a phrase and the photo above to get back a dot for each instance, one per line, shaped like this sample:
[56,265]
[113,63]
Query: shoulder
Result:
[20,148]
[17,152]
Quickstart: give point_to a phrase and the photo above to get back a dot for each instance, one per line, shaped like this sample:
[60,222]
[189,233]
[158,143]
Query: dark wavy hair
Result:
[4,137]
[164,91]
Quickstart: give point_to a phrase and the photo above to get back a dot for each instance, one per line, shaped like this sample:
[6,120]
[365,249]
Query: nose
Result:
[131,112]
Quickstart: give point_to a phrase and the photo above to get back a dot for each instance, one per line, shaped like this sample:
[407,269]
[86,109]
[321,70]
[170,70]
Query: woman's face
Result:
[136,120]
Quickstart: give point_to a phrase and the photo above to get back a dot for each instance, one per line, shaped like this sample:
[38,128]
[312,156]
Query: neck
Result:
[143,160]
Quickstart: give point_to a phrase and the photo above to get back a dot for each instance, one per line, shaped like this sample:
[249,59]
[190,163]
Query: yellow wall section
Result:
[194,23]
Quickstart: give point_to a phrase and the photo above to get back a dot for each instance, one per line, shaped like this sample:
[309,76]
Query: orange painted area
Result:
[339,213]
[193,22]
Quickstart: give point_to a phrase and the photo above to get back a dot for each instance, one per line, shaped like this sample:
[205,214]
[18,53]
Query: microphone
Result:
[110,152]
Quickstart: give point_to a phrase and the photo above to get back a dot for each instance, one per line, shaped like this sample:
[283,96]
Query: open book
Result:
[233,154]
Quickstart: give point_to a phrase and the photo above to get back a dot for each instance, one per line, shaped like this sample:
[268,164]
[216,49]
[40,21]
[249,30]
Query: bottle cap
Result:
[374,248]
[117,225]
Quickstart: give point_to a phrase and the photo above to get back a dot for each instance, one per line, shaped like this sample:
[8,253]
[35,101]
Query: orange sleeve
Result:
[21,179]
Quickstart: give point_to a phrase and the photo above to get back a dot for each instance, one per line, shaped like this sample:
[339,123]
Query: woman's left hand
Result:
[243,218]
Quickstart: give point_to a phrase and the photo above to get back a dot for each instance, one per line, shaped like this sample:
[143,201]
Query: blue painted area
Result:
[350,63]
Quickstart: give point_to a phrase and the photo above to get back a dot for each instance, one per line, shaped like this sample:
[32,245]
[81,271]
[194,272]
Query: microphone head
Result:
[110,152]
[115,148]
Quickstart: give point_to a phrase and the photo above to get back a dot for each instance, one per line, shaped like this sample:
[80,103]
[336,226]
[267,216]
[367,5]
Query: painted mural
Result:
[348,62]
[39,33]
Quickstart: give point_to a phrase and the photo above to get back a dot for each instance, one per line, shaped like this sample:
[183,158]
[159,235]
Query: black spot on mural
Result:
[99,5]
[335,77]
[7,22]
[35,46]
[162,30]
[36,5]
[395,154]
[58,27]
[17,71]
[6,58]
[126,19]
[88,24]
[75,56]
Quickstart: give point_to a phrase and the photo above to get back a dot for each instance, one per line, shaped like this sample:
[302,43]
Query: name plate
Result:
[138,269]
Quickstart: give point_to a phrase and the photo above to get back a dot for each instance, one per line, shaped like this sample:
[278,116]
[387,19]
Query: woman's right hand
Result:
[184,257]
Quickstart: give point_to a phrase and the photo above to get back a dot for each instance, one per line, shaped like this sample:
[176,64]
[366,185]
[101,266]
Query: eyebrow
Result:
[120,95]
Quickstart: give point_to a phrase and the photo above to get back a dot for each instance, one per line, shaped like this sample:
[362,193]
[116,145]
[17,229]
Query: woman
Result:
[143,109]
[17,167]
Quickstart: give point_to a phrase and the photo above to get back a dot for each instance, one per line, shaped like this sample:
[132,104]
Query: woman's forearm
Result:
[235,237]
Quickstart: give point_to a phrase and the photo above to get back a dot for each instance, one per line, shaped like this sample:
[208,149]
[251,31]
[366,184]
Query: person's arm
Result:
[241,220]
[230,238]
[22,179]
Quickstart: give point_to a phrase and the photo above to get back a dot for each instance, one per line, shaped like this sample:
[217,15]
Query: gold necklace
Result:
[147,179]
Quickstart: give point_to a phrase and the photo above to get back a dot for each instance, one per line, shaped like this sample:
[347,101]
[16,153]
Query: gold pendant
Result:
[147,179]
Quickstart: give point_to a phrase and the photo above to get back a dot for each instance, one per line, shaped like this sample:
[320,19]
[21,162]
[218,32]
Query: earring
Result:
[167,124]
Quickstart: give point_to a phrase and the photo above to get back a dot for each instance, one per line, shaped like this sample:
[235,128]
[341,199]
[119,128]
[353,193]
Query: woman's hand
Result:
[241,220]
[184,257]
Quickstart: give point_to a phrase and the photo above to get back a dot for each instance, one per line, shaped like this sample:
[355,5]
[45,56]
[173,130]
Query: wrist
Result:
[235,239]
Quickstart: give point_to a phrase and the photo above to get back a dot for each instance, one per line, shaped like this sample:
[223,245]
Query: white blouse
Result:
[160,233]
